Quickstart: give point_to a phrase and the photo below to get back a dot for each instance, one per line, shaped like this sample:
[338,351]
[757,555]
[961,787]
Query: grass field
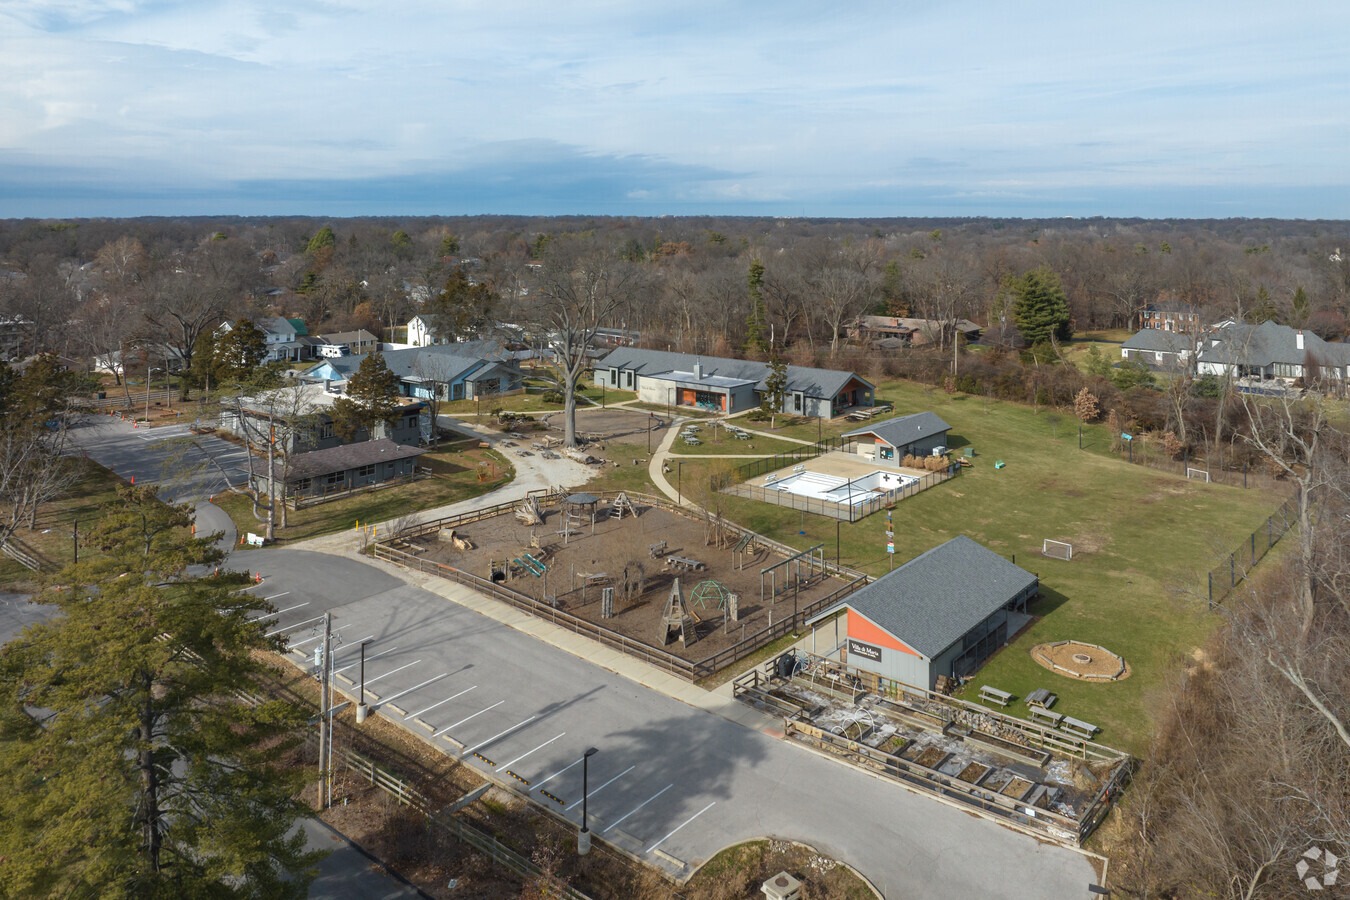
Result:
[97,487]
[1143,543]
[455,478]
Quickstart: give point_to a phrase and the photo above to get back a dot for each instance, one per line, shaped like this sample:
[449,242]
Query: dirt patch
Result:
[1086,662]
[618,552]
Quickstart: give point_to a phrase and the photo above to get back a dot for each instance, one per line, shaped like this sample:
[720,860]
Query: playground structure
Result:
[615,584]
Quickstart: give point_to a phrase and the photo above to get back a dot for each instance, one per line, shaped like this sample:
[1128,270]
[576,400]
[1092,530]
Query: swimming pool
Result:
[841,490]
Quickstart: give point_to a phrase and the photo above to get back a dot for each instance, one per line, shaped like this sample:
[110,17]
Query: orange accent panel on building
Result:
[861,628]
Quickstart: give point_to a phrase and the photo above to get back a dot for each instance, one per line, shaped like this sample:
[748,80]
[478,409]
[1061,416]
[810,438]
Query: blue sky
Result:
[908,107]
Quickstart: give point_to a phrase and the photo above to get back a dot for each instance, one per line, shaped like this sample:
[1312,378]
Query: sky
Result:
[1185,108]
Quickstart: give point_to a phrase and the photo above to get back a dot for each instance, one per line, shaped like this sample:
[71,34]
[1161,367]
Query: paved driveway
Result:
[671,783]
[187,467]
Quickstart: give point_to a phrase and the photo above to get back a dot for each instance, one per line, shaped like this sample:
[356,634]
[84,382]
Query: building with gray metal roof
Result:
[728,385]
[940,614]
[917,434]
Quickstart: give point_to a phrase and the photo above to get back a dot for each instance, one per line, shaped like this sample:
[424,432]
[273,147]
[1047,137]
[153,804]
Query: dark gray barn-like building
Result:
[942,613]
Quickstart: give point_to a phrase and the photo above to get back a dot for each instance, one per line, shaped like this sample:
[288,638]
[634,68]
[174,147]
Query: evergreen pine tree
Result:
[129,767]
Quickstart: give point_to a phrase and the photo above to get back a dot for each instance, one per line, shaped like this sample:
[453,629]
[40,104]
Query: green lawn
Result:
[1143,543]
[532,401]
[716,441]
[53,537]
[455,478]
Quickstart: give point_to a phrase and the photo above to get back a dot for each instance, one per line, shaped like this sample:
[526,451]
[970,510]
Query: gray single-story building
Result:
[889,442]
[1159,349]
[942,613]
[343,468]
[728,385]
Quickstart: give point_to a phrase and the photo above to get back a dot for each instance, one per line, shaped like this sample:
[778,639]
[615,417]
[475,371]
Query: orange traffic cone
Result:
[257,579]
[133,479]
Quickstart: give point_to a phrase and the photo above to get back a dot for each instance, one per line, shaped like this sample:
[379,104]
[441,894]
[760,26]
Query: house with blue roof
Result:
[463,371]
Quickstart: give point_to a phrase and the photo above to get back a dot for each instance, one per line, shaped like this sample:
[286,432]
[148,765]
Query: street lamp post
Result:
[362,710]
[650,416]
[679,483]
[584,836]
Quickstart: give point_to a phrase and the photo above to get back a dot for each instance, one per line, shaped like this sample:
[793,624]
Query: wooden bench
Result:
[657,550]
[1079,728]
[1041,714]
[683,562]
[994,695]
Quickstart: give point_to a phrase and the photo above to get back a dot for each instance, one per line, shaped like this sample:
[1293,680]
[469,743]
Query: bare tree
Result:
[581,287]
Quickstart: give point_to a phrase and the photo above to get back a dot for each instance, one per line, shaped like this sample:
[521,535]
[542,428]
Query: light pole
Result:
[650,416]
[584,836]
[679,483]
[362,710]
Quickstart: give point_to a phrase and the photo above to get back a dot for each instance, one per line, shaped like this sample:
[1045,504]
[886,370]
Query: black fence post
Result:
[1232,570]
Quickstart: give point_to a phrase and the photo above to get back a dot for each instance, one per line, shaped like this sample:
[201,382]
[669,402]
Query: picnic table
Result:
[994,695]
[1041,714]
[1042,698]
[1078,727]
[684,562]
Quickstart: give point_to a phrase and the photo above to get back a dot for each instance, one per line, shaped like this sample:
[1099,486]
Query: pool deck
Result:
[844,465]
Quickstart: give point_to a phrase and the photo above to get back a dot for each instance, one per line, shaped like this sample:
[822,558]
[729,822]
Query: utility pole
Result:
[326,715]
[271,472]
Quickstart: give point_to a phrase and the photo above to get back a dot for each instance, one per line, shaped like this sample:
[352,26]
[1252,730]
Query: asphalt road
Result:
[670,783]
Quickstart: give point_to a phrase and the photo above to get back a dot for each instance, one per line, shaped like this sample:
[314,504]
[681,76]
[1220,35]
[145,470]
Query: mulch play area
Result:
[640,557]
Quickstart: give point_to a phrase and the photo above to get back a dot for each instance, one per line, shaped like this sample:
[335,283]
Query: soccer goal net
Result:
[1197,474]
[1056,549]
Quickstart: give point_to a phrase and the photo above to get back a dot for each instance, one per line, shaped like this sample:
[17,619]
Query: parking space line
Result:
[442,703]
[282,594]
[355,645]
[499,734]
[557,773]
[270,615]
[370,681]
[467,718]
[523,755]
[368,658]
[317,637]
[413,688]
[638,807]
[681,825]
[605,785]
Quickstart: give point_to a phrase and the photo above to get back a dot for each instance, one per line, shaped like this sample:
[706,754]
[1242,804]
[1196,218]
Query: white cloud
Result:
[796,98]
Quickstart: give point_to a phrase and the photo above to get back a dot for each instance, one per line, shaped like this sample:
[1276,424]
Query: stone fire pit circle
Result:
[1081,660]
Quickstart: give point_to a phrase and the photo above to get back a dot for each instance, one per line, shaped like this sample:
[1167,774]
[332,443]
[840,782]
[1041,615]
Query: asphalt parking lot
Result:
[669,783]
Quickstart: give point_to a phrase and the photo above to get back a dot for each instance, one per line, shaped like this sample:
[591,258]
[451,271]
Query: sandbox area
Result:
[1076,659]
[639,556]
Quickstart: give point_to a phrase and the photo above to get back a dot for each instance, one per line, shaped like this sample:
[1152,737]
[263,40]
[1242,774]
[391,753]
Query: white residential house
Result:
[1270,351]
[421,333]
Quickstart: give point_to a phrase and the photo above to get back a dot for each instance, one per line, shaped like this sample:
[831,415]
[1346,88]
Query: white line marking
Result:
[411,689]
[605,785]
[317,637]
[557,773]
[523,755]
[368,658]
[442,703]
[681,825]
[392,671]
[483,744]
[278,612]
[283,594]
[467,718]
[639,806]
[353,646]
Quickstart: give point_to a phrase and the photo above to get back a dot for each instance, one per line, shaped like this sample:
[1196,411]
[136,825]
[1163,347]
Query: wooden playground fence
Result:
[404,555]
